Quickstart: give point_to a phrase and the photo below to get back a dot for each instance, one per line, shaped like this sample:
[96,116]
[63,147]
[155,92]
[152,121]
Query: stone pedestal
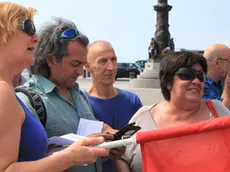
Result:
[149,78]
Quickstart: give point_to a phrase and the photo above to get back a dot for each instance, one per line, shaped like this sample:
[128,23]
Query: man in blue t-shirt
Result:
[217,81]
[109,104]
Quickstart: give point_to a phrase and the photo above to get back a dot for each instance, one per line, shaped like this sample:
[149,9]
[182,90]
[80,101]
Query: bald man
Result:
[111,105]
[218,59]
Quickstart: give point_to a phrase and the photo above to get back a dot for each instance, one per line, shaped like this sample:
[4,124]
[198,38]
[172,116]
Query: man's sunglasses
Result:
[28,27]
[69,34]
[228,60]
[190,74]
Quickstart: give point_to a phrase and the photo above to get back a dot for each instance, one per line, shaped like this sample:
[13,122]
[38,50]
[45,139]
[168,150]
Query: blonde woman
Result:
[23,139]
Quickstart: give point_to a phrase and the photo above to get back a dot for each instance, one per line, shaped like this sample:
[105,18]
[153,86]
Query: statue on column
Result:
[171,45]
[169,49]
[153,50]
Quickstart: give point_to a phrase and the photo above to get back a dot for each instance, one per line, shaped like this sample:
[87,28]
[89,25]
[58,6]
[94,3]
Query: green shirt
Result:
[62,116]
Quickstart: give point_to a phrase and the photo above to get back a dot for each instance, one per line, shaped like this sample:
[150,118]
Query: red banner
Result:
[199,147]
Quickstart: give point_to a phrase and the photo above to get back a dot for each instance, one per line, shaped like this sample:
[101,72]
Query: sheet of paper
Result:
[87,127]
[55,150]
[65,139]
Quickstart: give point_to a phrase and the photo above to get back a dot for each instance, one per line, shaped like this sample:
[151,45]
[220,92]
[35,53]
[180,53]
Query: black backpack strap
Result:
[83,95]
[35,101]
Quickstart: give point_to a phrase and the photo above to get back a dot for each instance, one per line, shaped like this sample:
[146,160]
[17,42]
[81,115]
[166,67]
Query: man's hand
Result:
[107,136]
[116,153]
[108,129]
[108,133]
[227,79]
[226,92]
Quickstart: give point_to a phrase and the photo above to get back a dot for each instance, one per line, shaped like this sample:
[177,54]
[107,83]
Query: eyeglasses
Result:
[190,74]
[28,27]
[228,60]
[69,34]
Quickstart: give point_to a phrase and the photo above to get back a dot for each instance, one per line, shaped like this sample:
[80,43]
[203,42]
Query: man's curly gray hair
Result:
[51,45]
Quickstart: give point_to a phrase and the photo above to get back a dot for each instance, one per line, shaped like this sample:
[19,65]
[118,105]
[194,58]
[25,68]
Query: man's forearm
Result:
[226,92]
[121,166]
[226,96]
[226,100]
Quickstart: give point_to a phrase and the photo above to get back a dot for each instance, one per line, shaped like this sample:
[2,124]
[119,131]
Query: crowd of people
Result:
[190,84]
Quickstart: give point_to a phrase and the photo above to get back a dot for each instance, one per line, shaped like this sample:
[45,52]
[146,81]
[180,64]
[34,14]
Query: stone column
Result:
[149,78]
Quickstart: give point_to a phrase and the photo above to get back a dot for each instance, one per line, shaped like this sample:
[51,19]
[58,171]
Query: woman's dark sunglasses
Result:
[28,27]
[69,34]
[190,74]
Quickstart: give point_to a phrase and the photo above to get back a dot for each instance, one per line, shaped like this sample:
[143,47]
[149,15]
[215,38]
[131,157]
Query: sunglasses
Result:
[190,74]
[28,27]
[69,34]
[228,60]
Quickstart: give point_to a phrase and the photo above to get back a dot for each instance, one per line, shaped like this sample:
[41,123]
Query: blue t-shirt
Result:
[33,142]
[116,111]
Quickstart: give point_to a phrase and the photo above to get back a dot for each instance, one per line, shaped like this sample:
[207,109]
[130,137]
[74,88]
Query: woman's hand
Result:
[84,152]
[114,153]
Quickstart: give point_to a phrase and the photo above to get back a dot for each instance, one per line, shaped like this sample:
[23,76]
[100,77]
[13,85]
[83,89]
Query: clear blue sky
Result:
[129,24]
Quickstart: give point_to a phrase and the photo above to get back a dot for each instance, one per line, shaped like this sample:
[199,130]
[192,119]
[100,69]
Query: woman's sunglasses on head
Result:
[190,74]
[69,34]
[28,27]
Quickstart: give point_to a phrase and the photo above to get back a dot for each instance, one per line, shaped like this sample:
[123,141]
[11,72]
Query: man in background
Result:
[111,105]
[217,82]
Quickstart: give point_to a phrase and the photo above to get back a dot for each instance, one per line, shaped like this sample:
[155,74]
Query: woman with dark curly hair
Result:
[182,77]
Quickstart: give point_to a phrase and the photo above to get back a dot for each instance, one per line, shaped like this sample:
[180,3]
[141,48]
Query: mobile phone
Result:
[126,132]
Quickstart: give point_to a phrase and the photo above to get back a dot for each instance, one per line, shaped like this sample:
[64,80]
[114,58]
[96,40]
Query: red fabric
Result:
[199,147]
